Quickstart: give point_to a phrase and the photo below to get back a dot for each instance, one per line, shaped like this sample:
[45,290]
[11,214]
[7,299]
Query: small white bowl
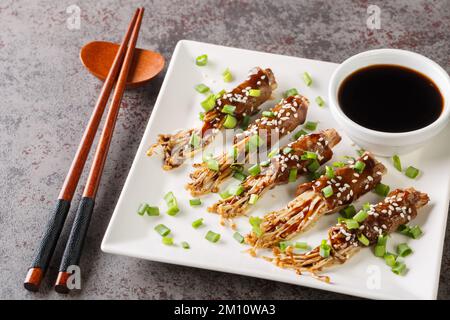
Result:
[390,143]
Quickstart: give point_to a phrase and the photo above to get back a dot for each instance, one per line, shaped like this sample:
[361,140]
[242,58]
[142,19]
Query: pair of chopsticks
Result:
[74,246]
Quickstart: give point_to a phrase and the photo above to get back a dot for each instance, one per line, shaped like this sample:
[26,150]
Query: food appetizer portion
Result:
[274,124]
[304,155]
[367,228]
[328,194]
[224,110]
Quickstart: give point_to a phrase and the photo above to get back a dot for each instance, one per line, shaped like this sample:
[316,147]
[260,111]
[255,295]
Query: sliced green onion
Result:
[327,191]
[399,268]
[238,237]
[254,142]
[239,175]
[382,240]
[287,150]
[411,172]
[143,207]
[162,230]
[225,195]
[254,170]
[299,134]
[311,126]
[351,224]
[253,199]
[220,94]
[197,223]
[153,211]
[390,259]
[359,166]
[201,88]
[168,241]
[254,92]
[255,222]
[212,236]
[172,204]
[194,140]
[403,250]
[230,122]
[313,166]
[283,245]
[366,206]
[290,92]
[307,78]
[201,60]
[273,152]
[360,152]
[308,155]
[228,108]
[236,190]
[209,103]
[207,156]
[227,76]
[415,232]
[212,164]
[380,250]
[382,189]
[302,246]
[292,175]
[320,102]
[268,114]
[329,172]
[360,216]
[265,163]
[348,212]
[195,202]
[363,239]
[338,164]
[397,163]
[314,175]
[245,121]
[185,245]
[325,249]
[201,116]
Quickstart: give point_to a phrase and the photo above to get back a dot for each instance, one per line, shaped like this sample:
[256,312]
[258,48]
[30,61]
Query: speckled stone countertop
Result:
[47,97]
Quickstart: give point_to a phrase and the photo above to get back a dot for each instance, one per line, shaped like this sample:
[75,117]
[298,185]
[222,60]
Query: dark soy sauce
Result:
[390,98]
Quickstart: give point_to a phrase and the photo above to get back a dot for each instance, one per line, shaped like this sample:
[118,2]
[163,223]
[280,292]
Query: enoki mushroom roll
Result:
[308,151]
[245,100]
[328,194]
[282,119]
[398,208]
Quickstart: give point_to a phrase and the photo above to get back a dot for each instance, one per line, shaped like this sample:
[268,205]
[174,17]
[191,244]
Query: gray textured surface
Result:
[46,99]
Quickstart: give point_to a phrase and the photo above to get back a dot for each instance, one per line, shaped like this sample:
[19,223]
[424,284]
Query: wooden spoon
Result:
[98,56]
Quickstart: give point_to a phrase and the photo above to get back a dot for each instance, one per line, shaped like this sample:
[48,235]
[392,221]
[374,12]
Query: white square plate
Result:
[177,107]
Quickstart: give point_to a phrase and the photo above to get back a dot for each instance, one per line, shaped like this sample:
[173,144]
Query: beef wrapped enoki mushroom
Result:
[245,99]
[282,119]
[290,163]
[325,195]
[398,208]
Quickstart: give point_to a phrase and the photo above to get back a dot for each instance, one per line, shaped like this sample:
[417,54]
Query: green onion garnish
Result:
[236,190]
[290,92]
[397,163]
[201,116]
[313,166]
[348,212]
[228,109]
[411,172]
[314,175]
[197,223]
[292,175]
[361,216]
[287,150]
[307,78]
[168,241]
[359,166]
[143,207]
[325,249]
[360,152]
[162,230]
[308,155]
[253,199]
[366,206]
[415,232]
[382,240]
[209,103]
[390,259]
[153,211]
[201,60]
[311,126]
[172,204]
[265,163]
[338,164]
[283,245]
[320,102]
[327,191]
[195,202]
[225,195]
[403,250]
[230,122]
[380,250]
[255,222]
[254,142]
[227,76]
[212,164]
[302,246]
[194,140]
[268,114]
[201,88]
[254,170]
[239,175]
[185,245]
[254,92]
[299,134]
[238,237]
[351,224]
[212,236]
[382,189]
[399,268]
[273,152]
[245,121]
[363,239]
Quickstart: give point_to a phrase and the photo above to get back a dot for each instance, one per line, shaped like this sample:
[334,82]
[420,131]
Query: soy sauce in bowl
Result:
[390,98]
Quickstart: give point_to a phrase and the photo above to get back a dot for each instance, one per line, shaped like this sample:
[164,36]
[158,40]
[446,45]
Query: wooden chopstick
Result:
[74,246]
[58,216]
